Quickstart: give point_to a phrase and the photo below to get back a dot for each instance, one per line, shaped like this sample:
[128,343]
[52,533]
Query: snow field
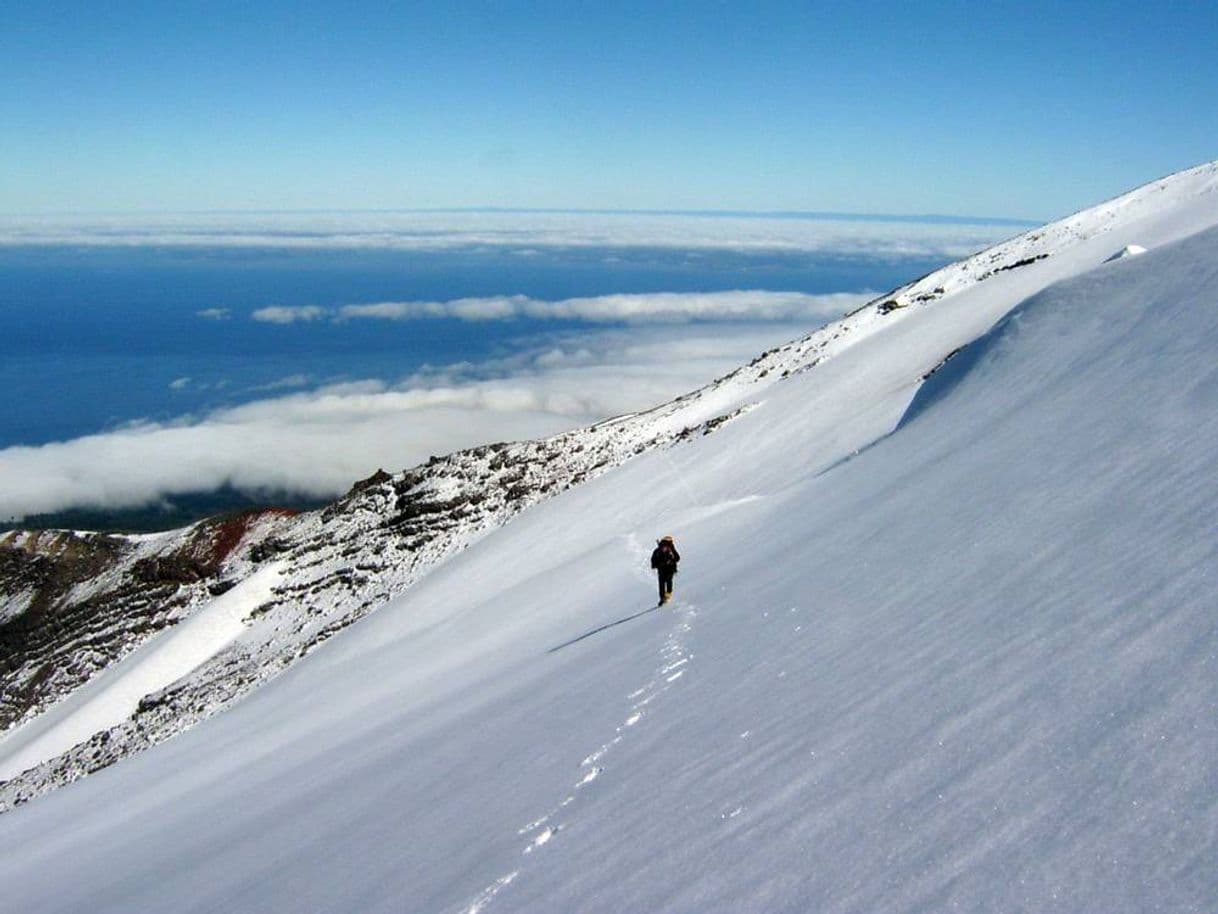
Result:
[947,647]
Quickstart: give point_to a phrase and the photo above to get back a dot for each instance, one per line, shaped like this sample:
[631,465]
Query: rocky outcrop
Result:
[74,603]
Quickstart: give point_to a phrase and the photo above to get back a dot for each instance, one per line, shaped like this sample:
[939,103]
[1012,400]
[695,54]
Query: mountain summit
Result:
[942,639]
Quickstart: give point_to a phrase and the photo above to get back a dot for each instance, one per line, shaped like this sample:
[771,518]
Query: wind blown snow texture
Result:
[935,647]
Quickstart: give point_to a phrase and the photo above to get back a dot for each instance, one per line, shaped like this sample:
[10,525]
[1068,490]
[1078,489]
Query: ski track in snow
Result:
[542,830]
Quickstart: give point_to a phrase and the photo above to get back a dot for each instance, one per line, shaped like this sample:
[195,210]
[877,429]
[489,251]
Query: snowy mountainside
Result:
[936,646]
[855,380]
[335,565]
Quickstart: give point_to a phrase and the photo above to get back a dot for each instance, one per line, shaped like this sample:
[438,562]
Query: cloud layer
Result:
[651,308]
[281,314]
[320,441]
[522,233]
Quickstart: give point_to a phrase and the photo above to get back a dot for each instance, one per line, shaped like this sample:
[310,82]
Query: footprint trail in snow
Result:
[674,663]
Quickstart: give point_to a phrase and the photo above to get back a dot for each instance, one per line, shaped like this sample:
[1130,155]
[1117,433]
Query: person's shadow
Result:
[597,631]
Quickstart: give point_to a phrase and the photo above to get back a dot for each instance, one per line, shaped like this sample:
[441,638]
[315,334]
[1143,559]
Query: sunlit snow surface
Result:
[969,665]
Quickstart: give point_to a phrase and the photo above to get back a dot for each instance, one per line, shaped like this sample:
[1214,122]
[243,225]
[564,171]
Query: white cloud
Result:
[280,314]
[188,382]
[320,441]
[655,307]
[524,233]
[285,383]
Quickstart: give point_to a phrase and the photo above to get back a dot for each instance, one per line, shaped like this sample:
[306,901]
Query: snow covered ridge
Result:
[76,602]
[334,566]
[76,605]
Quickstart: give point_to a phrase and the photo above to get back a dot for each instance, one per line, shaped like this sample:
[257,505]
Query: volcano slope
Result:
[943,640]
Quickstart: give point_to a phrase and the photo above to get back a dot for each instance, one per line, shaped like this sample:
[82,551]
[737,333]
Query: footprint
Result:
[491,891]
[533,826]
[675,662]
[543,839]
[595,756]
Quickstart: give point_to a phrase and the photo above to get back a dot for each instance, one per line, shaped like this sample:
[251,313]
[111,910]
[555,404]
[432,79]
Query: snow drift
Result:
[936,646]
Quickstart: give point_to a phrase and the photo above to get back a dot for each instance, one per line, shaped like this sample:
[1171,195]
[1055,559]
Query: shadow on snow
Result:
[597,631]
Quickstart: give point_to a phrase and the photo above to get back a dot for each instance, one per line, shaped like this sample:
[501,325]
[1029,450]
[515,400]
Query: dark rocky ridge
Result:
[91,598]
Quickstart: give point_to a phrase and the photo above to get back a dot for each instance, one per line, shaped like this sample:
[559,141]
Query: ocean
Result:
[196,362]
[95,337]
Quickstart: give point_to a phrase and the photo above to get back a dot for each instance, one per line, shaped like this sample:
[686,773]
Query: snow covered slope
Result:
[936,646]
[74,605]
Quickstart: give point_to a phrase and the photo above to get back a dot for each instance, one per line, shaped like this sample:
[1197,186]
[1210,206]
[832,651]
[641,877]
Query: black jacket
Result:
[665,557]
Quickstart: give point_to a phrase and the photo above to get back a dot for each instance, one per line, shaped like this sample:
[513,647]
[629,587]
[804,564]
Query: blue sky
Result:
[1024,110]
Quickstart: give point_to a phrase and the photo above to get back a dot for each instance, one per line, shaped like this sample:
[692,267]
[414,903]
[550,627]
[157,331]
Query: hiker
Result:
[664,560]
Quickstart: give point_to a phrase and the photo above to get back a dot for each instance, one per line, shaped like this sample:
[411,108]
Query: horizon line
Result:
[826,215]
